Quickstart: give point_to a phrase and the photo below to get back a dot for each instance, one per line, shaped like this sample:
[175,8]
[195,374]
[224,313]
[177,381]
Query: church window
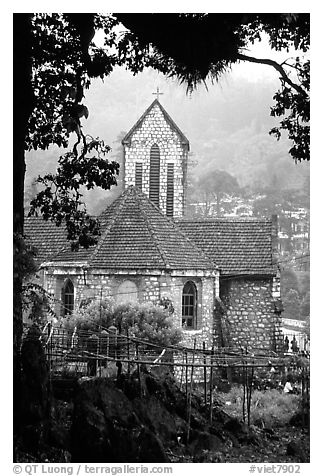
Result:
[170,191]
[189,300]
[154,174]
[138,175]
[127,292]
[68,297]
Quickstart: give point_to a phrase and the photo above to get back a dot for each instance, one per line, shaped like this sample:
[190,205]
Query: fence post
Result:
[186,377]
[49,349]
[249,392]
[190,397]
[128,352]
[138,366]
[182,372]
[211,384]
[204,371]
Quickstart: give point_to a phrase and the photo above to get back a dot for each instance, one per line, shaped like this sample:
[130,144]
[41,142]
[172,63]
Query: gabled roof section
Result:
[168,119]
[239,246]
[45,236]
[136,235]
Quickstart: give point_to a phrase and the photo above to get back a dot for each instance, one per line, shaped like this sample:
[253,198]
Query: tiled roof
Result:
[167,117]
[136,235]
[45,236]
[238,246]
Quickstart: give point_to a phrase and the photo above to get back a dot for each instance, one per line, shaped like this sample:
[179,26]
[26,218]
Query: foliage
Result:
[289,280]
[147,322]
[35,301]
[167,304]
[89,317]
[204,46]
[295,292]
[212,186]
[292,304]
[298,107]
[24,265]
[64,60]
[60,200]
[269,408]
[144,321]
[99,201]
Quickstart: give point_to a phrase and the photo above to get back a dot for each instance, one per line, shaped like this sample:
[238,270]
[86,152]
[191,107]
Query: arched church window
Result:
[138,175]
[189,300]
[154,174]
[68,297]
[170,191]
[127,292]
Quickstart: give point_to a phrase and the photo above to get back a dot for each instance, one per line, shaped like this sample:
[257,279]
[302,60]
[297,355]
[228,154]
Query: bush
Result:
[144,321]
[91,316]
[269,408]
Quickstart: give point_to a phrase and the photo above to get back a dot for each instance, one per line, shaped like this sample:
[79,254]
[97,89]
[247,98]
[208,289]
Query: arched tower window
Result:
[189,301]
[127,292]
[68,297]
[170,191]
[138,175]
[154,174]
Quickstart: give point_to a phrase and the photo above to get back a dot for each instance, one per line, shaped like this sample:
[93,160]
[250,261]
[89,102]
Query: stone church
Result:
[220,274]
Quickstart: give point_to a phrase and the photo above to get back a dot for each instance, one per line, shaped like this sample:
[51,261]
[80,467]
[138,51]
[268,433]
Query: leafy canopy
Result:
[199,47]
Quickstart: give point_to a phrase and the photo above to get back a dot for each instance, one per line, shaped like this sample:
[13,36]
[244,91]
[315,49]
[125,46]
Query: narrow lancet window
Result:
[154,174]
[170,191]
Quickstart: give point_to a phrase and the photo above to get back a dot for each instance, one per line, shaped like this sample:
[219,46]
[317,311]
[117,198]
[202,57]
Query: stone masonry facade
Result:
[251,320]
[156,130]
[144,257]
[151,288]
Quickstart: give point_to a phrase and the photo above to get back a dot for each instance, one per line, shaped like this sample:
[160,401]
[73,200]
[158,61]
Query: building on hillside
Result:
[220,274]
[298,331]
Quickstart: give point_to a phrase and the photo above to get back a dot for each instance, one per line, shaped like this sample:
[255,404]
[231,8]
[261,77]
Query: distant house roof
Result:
[135,234]
[168,119]
[239,246]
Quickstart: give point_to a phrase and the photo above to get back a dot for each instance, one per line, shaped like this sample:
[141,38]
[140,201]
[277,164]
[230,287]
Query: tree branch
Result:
[275,65]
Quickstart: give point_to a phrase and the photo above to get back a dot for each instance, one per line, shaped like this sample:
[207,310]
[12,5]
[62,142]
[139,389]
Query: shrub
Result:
[144,321]
[147,322]
[269,408]
[91,316]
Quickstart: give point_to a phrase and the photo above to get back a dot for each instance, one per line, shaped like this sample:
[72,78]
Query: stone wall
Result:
[156,130]
[151,288]
[251,320]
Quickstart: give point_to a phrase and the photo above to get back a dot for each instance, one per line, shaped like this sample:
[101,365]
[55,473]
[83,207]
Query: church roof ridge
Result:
[136,235]
[120,200]
[152,231]
[167,117]
[172,224]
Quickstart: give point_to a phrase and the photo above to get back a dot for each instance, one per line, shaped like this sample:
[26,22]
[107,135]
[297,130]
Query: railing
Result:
[106,353]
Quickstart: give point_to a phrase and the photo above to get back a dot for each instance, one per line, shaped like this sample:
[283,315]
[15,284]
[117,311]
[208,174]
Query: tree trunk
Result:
[23,102]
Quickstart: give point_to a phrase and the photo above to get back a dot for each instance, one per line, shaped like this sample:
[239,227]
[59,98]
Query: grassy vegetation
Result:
[269,408]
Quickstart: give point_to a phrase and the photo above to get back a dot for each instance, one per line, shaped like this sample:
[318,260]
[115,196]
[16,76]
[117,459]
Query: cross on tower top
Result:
[158,93]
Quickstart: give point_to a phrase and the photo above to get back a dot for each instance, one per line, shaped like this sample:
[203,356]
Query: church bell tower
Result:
[155,152]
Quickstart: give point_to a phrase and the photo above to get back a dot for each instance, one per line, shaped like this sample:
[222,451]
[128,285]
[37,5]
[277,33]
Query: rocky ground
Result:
[132,420]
